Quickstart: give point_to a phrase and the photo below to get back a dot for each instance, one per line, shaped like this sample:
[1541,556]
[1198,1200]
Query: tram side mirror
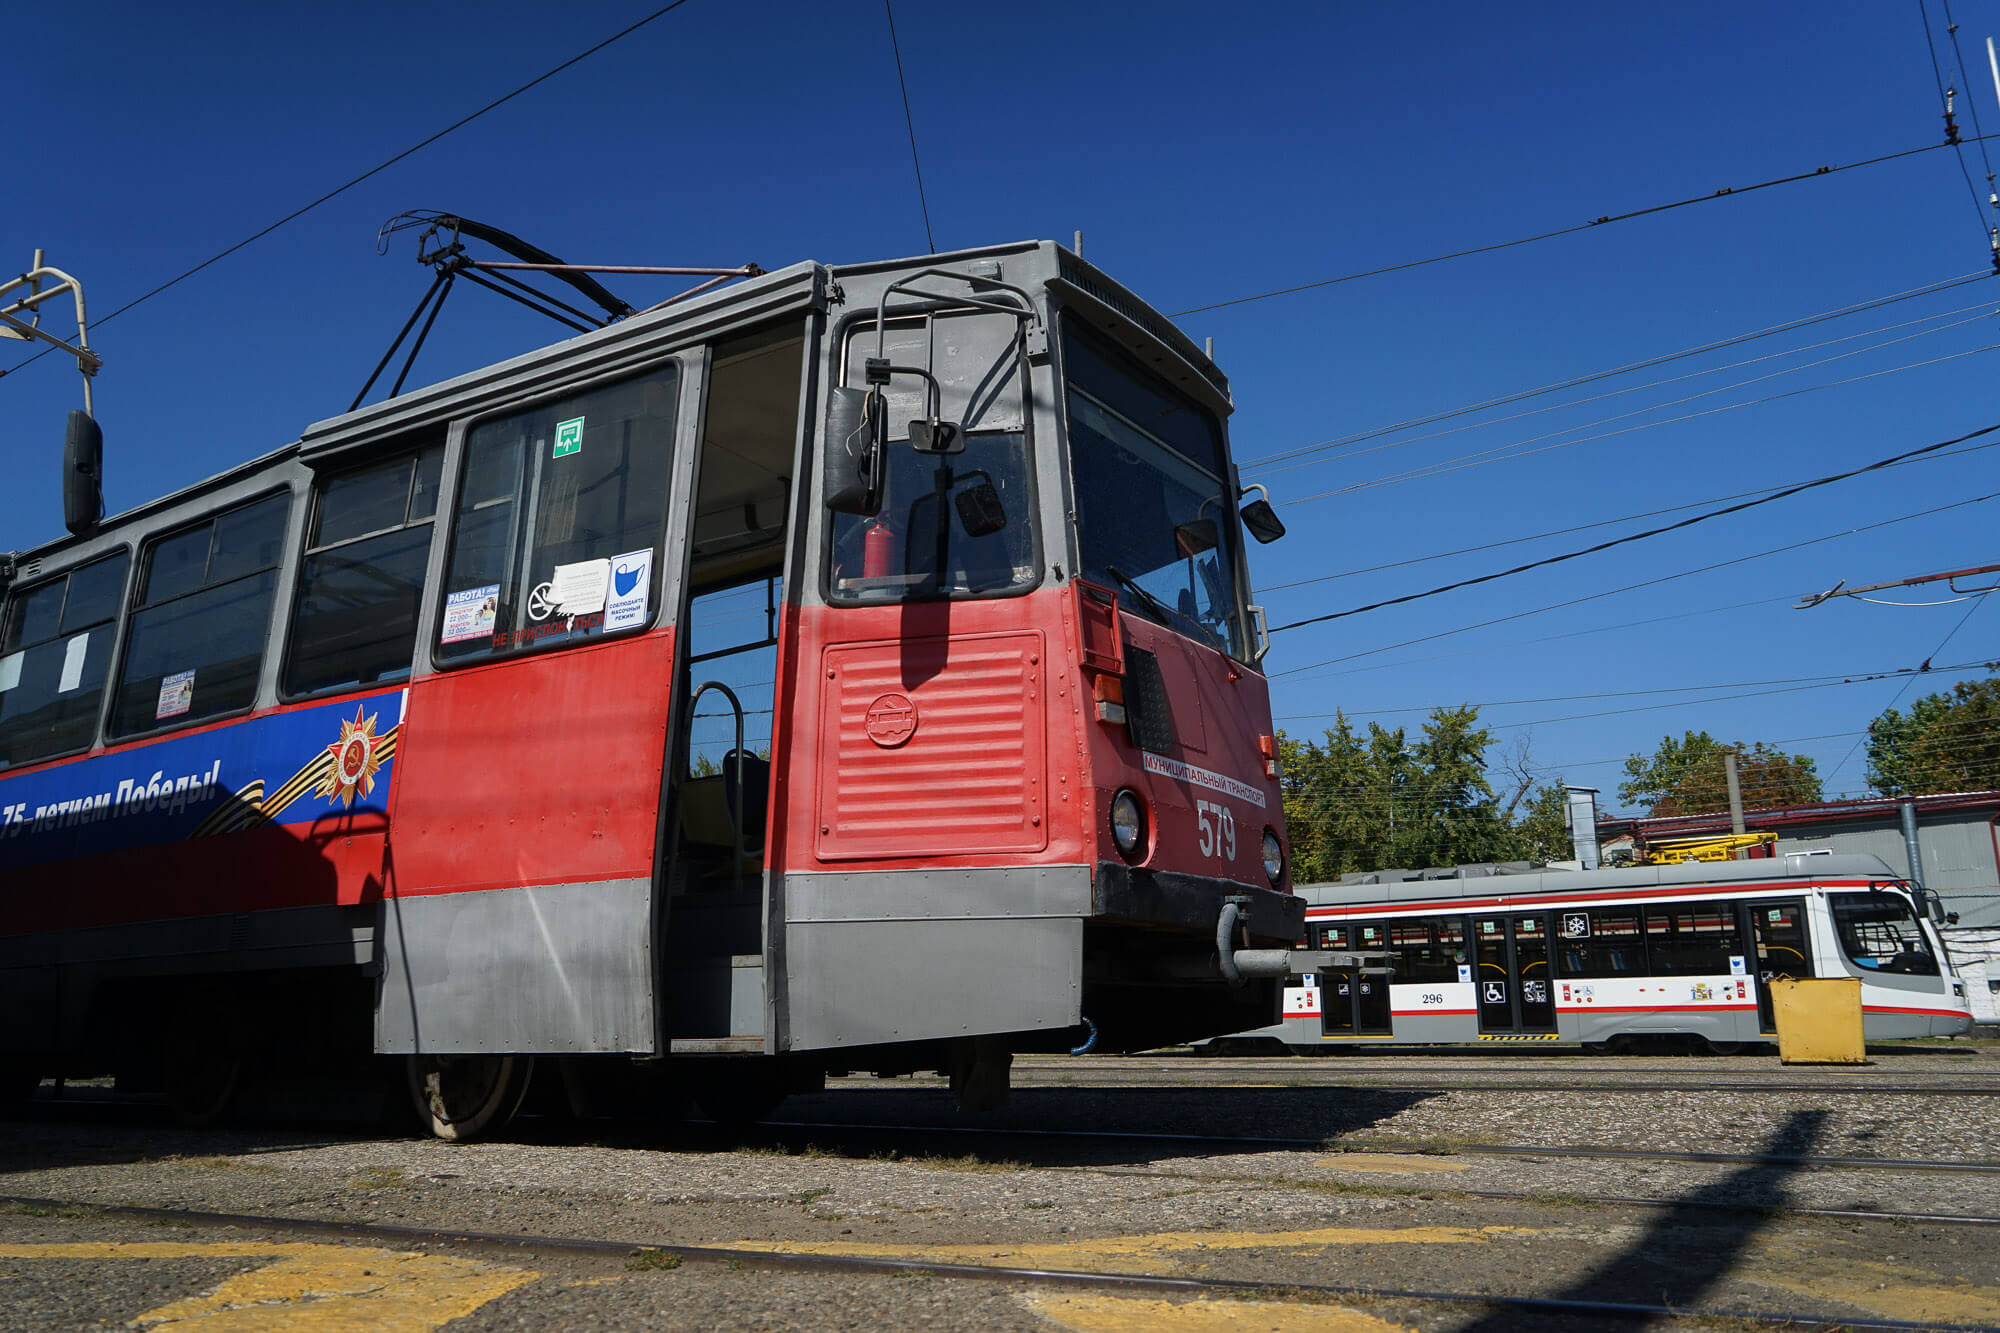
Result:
[980,511]
[83,473]
[1262,520]
[1195,536]
[936,437]
[851,470]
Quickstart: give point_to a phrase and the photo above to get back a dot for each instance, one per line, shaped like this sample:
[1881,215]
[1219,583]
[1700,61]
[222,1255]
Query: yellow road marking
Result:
[1093,1253]
[1407,1163]
[330,1288]
[1120,1314]
[1888,1290]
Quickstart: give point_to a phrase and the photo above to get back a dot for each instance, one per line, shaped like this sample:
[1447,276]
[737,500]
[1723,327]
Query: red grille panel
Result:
[970,778]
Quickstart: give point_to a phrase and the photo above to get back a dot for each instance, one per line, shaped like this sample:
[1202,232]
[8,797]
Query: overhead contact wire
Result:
[1642,536]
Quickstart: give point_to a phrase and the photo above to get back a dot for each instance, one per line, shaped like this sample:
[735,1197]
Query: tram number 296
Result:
[1218,829]
[1433,997]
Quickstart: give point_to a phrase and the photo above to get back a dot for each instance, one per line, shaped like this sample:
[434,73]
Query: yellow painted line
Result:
[329,1288]
[1887,1289]
[1400,1163]
[1121,1314]
[1091,1253]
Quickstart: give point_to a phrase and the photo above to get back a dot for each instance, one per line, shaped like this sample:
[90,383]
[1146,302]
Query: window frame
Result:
[131,610]
[687,364]
[1107,348]
[129,549]
[306,550]
[838,342]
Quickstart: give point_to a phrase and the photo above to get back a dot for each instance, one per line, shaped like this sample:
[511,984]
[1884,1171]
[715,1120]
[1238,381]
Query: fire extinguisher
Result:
[878,550]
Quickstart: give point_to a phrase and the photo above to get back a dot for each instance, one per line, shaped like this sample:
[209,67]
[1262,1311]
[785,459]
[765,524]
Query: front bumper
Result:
[1174,901]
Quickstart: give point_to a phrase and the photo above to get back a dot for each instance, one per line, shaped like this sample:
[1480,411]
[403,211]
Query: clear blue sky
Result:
[1207,152]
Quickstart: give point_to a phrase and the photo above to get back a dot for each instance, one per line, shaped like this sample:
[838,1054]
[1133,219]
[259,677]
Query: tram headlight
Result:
[1128,823]
[1274,857]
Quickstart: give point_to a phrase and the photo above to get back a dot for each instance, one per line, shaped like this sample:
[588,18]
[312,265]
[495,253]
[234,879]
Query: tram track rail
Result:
[1417,1146]
[1874,1090]
[1075,1279]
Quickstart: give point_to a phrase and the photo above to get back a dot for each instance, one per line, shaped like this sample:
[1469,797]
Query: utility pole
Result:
[1735,800]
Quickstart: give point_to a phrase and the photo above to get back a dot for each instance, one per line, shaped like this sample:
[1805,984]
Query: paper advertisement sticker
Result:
[470,614]
[176,695]
[72,672]
[631,586]
[579,589]
[10,671]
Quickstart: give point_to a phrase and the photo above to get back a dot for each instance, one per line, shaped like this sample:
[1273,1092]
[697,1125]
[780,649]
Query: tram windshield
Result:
[1880,931]
[1156,518]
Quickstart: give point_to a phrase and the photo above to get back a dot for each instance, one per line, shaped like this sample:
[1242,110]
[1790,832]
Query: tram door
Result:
[1784,949]
[1511,953]
[1354,1003]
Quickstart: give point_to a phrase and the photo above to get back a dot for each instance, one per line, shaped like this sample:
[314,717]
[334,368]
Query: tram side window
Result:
[1878,931]
[355,621]
[1692,939]
[560,512]
[55,646]
[1428,950]
[198,628]
[1600,942]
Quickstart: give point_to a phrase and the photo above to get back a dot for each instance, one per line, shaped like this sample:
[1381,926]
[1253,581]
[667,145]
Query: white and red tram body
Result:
[1495,954]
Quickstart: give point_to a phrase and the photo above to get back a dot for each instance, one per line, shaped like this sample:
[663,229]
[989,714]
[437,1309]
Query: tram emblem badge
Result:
[354,761]
[1701,990]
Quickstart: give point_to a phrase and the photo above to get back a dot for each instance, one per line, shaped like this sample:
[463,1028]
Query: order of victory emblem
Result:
[355,761]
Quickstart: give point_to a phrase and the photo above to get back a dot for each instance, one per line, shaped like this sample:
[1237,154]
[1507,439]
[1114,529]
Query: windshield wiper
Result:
[1167,616]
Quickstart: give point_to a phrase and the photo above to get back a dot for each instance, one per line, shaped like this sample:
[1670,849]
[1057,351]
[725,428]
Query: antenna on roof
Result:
[83,442]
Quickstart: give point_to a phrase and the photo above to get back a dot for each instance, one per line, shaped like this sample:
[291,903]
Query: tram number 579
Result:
[1218,829]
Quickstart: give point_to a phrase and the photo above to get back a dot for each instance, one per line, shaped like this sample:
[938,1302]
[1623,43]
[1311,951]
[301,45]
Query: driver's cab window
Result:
[1879,932]
[952,524]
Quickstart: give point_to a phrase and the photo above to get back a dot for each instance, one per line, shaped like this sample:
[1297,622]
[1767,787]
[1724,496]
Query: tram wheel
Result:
[460,1098]
[201,1070]
[1724,1047]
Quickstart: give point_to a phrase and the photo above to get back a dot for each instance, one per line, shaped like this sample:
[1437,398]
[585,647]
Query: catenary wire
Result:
[1724,193]
[1582,527]
[911,124]
[1519,449]
[297,213]
[1641,536]
[1270,465]
[1944,97]
[1648,583]
[1970,611]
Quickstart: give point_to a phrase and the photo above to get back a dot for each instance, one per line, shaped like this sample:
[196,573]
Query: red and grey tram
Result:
[850,668]
[1492,954]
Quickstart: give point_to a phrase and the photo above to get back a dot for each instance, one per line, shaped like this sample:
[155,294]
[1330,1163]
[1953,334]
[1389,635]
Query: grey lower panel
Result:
[243,941]
[561,968]
[922,954]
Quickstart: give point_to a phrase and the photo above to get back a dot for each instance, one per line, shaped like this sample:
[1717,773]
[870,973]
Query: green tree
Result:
[1946,742]
[1543,831]
[1687,776]
[1357,802]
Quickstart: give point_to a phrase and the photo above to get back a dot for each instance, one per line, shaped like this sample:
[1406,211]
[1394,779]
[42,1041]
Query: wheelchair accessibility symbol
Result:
[1494,992]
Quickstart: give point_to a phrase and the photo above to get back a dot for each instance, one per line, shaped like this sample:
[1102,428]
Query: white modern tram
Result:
[1527,954]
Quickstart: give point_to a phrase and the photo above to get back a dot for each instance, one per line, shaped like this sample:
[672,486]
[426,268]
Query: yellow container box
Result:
[1819,1020]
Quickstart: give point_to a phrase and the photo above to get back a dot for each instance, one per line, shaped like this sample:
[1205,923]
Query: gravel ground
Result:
[1361,1217]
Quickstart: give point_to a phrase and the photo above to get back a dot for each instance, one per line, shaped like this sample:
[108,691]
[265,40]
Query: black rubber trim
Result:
[1177,901]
